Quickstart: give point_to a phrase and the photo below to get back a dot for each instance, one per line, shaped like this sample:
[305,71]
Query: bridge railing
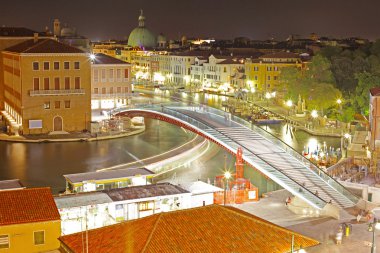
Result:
[253,159]
[323,175]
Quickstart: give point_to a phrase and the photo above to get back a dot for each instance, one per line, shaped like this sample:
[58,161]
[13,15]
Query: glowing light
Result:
[158,77]
[314,114]
[289,103]
[186,78]
[227,175]
[253,90]
[347,135]
[267,95]
[92,57]
[250,83]
[339,101]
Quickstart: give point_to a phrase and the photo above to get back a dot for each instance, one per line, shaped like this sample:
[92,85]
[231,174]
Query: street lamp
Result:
[227,176]
[314,115]
[267,96]
[289,104]
[372,228]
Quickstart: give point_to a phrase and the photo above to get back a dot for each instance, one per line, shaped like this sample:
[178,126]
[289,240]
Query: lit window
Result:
[76,65]
[56,65]
[39,237]
[36,66]
[47,105]
[4,241]
[46,65]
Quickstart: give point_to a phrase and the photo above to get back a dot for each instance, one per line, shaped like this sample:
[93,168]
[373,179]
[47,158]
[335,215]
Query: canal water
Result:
[43,164]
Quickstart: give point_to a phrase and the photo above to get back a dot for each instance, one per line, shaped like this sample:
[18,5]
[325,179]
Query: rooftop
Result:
[199,187]
[105,59]
[375,91]
[42,46]
[279,55]
[144,191]
[211,228]
[108,174]
[10,184]
[17,32]
[82,199]
[27,205]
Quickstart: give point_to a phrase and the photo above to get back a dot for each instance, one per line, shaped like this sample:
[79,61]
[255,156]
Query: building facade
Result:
[29,221]
[47,87]
[263,73]
[111,82]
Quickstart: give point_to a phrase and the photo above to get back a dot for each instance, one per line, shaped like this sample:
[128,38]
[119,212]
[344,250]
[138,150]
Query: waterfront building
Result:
[263,73]
[202,194]
[47,87]
[98,209]
[111,82]
[218,72]
[211,228]
[108,179]
[29,221]
[10,36]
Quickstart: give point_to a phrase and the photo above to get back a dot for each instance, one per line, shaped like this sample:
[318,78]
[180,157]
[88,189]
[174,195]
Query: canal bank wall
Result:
[12,138]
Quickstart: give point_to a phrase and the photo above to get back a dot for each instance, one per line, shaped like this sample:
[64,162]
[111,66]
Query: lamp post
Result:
[289,104]
[346,142]
[371,228]
[227,176]
[314,115]
[267,96]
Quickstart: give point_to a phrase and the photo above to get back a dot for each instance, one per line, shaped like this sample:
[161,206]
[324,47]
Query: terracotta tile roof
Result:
[205,229]
[375,91]
[43,46]
[105,59]
[27,205]
[17,32]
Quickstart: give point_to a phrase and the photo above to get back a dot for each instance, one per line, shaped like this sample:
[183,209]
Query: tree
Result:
[289,79]
[366,81]
[347,114]
[320,70]
[330,51]
[322,96]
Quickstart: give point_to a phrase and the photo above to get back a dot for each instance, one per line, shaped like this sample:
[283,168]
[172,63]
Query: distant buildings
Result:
[47,87]
[204,229]
[69,36]
[111,82]
[29,221]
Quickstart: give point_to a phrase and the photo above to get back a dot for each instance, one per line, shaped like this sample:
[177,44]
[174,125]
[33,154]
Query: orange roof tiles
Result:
[206,229]
[26,206]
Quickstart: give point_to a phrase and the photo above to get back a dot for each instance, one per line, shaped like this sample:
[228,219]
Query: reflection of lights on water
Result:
[196,96]
[286,135]
[312,145]
[223,98]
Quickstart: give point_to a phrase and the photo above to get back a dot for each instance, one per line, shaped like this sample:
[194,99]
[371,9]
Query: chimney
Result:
[35,37]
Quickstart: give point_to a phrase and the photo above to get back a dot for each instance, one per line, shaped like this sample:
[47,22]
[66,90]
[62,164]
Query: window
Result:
[111,90]
[224,69]
[46,65]
[66,65]
[103,73]
[56,65]
[76,65]
[96,90]
[57,104]
[56,83]
[126,73]
[268,78]
[96,75]
[36,66]
[111,75]
[145,206]
[47,105]
[118,89]
[126,89]
[46,83]
[256,78]
[77,83]
[103,90]
[67,104]
[36,83]
[4,241]
[39,237]
[275,78]
[67,83]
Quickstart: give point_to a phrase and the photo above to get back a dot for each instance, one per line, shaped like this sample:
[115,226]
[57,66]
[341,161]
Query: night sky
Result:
[222,19]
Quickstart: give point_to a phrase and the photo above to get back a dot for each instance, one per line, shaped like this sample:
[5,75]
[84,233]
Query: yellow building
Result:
[29,221]
[263,73]
[47,87]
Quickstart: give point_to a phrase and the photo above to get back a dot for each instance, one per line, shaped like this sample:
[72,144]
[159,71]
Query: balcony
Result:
[113,95]
[34,93]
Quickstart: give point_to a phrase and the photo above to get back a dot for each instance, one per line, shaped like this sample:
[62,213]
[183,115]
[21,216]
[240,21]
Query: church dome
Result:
[142,36]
